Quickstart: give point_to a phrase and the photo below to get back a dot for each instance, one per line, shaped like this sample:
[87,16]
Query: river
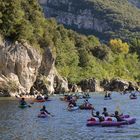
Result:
[23,124]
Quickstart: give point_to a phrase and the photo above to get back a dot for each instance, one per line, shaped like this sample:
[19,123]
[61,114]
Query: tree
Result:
[117,46]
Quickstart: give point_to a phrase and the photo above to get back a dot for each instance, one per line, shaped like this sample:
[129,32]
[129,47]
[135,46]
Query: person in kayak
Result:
[117,116]
[97,115]
[105,113]
[69,97]
[22,101]
[44,111]
[72,103]
[39,97]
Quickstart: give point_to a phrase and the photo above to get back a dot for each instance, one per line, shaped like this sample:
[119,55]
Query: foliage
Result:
[77,56]
[21,20]
[117,46]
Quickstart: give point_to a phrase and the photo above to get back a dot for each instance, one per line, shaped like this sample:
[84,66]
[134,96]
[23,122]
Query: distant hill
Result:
[103,18]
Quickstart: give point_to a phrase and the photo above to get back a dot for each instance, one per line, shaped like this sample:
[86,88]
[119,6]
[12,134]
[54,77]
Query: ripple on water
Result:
[23,124]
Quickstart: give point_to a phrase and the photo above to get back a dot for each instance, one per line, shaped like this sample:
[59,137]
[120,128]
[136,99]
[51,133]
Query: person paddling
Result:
[117,116]
[72,103]
[44,111]
[22,101]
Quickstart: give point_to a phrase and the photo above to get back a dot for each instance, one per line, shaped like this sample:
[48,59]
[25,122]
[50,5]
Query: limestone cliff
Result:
[53,81]
[104,18]
[78,15]
[19,64]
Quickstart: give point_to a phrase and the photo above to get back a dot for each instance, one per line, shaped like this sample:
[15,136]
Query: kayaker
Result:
[98,116]
[22,101]
[105,113]
[39,97]
[117,116]
[69,98]
[44,111]
[72,103]
[46,97]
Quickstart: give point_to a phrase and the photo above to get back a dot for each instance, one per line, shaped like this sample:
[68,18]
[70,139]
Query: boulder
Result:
[91,85]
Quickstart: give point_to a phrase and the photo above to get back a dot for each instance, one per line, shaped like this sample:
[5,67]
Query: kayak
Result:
[42,115]
[23,106]
[42,100]
[86,107]
[93,121]
[111,121]
[73,108]
[133,97]
[127,121]
[107,98]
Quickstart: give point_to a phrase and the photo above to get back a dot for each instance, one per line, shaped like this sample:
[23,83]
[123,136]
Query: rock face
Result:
[93,85]
[19,64]
[23,70]
[77,15]
[53,81]
[116,85]
[90,85]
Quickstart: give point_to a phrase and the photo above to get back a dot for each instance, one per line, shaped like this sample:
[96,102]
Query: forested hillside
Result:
[106,19]
[77,56]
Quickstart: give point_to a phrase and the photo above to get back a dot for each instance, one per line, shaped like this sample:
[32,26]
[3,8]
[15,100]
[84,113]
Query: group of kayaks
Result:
[94,121]
[111,121]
